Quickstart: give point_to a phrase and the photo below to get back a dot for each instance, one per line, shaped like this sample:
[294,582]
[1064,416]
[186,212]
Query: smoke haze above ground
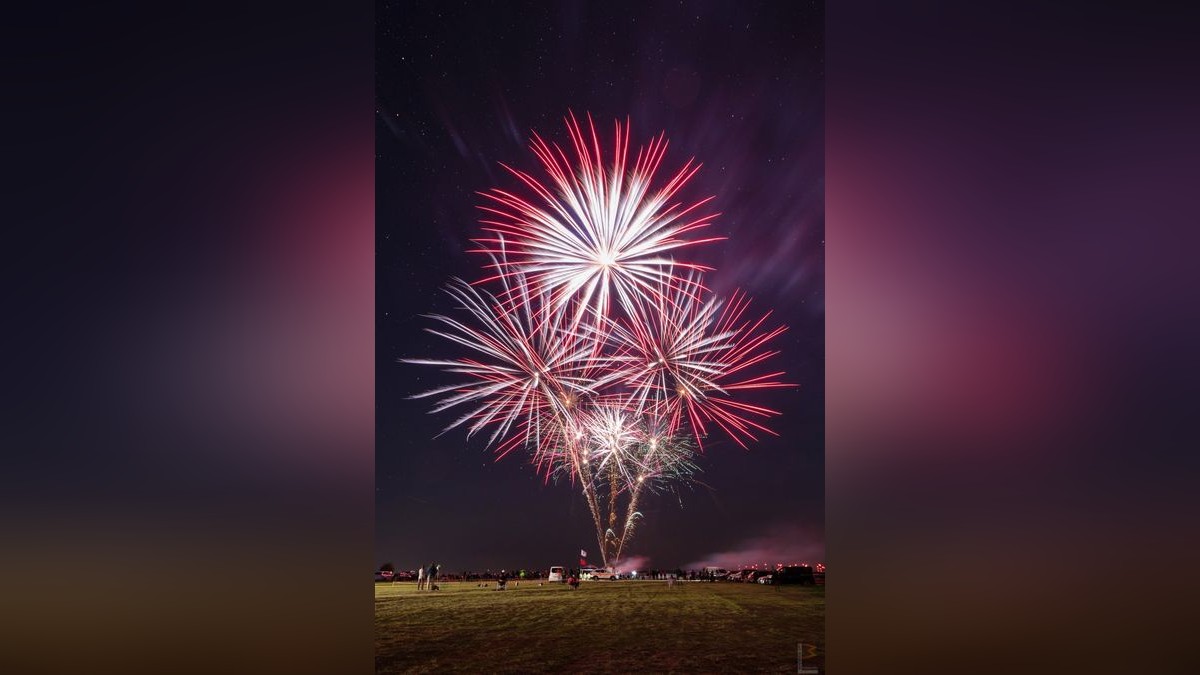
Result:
[786,544]
[781,545]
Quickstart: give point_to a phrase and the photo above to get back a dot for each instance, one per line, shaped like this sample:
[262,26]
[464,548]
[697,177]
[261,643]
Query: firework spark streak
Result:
[595,349]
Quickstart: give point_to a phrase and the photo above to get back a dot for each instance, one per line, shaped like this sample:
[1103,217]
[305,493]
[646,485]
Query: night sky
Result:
[460,86]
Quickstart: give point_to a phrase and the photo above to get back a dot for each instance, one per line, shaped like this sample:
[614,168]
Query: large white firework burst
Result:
[602,232]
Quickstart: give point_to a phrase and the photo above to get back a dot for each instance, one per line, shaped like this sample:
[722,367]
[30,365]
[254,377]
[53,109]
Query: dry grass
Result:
[604,627]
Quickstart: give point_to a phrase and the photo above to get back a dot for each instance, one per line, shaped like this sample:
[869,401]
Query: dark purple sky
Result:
[460,86]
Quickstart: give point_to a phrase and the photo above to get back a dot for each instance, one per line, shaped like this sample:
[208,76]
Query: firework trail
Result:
[588,344]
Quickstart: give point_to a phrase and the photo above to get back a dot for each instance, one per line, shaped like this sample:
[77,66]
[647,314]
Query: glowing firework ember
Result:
[611,396]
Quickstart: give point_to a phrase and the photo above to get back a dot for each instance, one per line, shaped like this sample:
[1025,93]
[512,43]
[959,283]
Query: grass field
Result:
[604,627]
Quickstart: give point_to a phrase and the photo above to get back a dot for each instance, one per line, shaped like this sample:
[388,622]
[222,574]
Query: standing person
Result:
[433,574]
[421,577]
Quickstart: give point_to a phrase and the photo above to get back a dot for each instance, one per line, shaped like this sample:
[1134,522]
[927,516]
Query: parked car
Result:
[384,575]
[765,578]
[556,574]
[605,574]
[755,575]
[798,574]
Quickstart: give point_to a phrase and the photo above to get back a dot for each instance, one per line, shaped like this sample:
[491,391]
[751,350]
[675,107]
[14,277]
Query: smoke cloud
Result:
[786,544]
[634,563]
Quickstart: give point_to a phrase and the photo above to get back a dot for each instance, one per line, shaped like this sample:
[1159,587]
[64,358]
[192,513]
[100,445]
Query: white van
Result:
[556,574]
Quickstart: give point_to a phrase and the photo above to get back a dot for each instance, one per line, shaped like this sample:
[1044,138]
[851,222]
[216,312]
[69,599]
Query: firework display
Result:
[588,345]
